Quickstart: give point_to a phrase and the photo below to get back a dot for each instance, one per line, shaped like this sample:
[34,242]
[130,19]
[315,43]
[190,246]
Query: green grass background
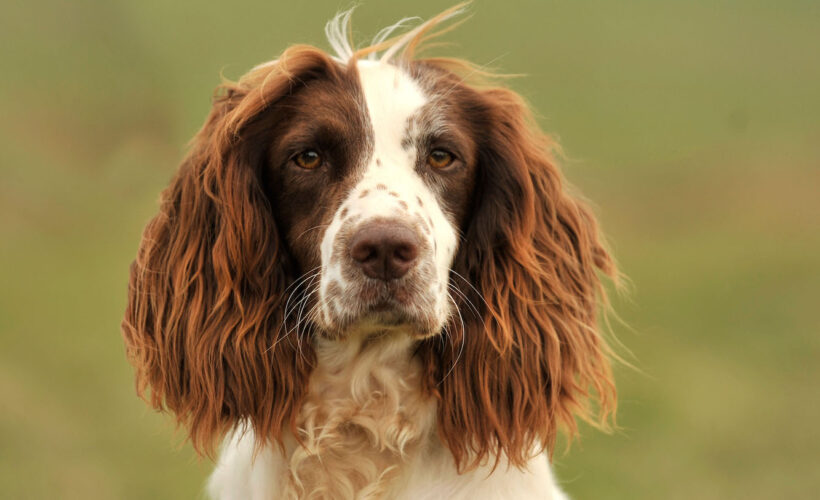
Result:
[694,126]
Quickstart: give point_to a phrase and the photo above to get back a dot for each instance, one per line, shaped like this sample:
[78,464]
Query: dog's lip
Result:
[387,307]
[393,305]
[389,312]
[386,295]
[385,314]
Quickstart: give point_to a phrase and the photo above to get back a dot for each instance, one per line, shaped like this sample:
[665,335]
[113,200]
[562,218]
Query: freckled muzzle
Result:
[385,274]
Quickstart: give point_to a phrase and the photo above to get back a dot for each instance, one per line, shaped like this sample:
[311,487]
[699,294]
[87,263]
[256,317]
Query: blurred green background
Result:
[694,126]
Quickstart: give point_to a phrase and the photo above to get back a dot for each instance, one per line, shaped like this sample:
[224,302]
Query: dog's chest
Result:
[364,418]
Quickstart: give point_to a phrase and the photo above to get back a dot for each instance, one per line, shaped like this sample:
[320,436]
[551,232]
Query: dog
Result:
[368,280]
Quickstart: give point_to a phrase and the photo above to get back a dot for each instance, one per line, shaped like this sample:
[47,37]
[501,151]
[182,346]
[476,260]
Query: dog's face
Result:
[371,171]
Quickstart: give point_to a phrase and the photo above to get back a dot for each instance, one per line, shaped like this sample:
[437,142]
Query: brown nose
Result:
[384,250]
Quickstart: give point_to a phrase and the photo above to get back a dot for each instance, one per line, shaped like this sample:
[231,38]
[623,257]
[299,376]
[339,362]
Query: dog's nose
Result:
[384,250]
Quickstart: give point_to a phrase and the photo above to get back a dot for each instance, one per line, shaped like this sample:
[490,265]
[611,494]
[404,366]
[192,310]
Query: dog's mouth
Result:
[380,295]
[379,306]
[388,316]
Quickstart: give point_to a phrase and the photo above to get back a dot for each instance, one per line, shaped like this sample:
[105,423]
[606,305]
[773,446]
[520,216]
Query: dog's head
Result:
[361,195]
[370,173]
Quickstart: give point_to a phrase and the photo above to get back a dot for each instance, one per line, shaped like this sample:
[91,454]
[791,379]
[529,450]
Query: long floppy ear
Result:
[204,321]
[523,365]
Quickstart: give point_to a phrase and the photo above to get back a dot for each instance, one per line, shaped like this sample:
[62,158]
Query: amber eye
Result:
[440,158]
[308,159]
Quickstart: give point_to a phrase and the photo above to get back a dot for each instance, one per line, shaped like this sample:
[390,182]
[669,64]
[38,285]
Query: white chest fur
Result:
[367,433]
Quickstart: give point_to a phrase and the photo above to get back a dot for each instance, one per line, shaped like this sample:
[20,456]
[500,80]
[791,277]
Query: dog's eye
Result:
[439,158]
[308,159]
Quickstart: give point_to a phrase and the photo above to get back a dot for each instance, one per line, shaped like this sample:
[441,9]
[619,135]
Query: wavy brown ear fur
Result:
[204,324]
[531,357]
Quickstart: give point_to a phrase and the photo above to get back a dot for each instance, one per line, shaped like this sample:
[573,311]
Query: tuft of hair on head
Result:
[385,46]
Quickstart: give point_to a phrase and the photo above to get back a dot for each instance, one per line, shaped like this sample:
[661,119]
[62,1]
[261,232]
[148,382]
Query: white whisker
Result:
[461,346]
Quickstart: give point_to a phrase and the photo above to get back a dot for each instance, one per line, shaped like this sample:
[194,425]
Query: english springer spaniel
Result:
[368,280]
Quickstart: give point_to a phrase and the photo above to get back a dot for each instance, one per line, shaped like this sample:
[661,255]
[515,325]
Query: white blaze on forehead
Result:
[392,97]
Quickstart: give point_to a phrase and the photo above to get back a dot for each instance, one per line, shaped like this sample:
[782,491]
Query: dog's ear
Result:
[204,323]
[529,361]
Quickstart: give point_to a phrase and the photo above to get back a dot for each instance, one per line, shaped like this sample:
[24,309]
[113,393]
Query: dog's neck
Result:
[363,349]
[364,416]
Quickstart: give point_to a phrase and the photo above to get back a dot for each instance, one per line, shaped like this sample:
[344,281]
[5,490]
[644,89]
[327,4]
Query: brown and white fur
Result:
[368,278]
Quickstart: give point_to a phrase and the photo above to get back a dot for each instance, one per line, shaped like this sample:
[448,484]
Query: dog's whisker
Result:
[313,290]
[320,226]
[288,310]
[466,300]
[461,346]
[477,292]
[304,279]
[299,324]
